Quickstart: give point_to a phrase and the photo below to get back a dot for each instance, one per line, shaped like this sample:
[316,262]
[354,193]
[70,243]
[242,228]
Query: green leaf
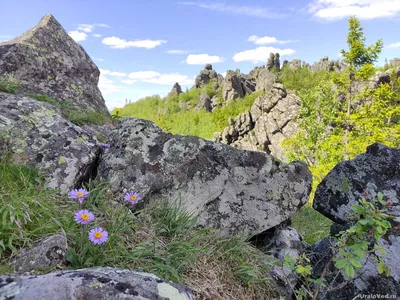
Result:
[381,267]
[341,263]
[356,263]
[349,270]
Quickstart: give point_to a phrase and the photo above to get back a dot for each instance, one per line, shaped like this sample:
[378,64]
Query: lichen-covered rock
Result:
[378,170]
[47,60]
[263,78]
[37,135]
[229,189]
[91,284]
[273,118]
[48,253]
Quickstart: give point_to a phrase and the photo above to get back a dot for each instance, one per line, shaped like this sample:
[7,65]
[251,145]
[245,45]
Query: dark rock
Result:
[263,78]
[229,189]
[91,284]
[37,135]
[206,76]
[47,60]
[176,90]
[48,253]
[273,63]
[378,170]
[204,102]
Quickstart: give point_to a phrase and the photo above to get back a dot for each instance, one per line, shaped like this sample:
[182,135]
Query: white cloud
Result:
[89,27]
[394,45]
[97,35]
[107,86]
[331,10]
[78,36]
[266,40]
[99,59]
[158,78]
[202,59]
[251,11]
[177,52]
[129,81]
[111,73]
[117,43]
[260,54]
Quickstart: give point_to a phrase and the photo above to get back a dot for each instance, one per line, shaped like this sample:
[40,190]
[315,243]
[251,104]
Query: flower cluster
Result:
[96,235]
[83,217]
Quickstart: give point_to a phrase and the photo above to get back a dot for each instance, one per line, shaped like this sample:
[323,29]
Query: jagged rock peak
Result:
[46,60]
[208,67]
[176,90]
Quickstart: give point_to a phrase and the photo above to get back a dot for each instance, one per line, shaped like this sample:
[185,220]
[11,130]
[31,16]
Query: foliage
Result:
[9,85]
[352,247]
[76,116]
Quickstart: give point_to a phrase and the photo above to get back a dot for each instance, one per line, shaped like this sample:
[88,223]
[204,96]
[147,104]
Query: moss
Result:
[61,160]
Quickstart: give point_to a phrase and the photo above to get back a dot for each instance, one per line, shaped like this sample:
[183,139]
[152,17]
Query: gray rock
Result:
[37,135]
[91,284]
[273,118]
[204,103]
[48,253]
[206,76]
[394,62]
[287,241]
[232,87]
[378,170]
[229,189]
[47,60]
[263,78]
[273,62]
[176,90]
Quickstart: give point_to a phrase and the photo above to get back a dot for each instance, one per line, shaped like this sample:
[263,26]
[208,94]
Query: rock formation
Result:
[47,60]
[232,190]
[232,87]
[273,63]
[273,117]
[263,78]
[176,90]
[92,283]
[206,76]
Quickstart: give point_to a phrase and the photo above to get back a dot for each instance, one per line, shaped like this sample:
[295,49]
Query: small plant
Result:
[352,247]
[9,85]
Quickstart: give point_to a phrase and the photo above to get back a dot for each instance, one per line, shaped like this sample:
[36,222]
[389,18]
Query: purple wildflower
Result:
[84,217]
[78,194]
[132,198]
[98,235]
[104,145]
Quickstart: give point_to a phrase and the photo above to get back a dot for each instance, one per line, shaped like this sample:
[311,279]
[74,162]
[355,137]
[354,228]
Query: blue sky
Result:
[144,46]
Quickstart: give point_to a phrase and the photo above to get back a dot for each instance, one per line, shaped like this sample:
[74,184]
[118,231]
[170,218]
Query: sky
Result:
[142,47]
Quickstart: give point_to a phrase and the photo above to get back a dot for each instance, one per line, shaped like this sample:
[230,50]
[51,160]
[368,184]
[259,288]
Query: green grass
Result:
[162,239]
[10,85]
[312,225]
[77,116]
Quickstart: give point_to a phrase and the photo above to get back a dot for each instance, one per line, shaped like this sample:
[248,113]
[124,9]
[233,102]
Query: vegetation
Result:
[160,239]
[9,85]
[78,117]
[177,115]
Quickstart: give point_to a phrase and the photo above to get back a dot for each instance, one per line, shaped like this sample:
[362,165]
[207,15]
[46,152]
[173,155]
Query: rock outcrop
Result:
[48,61]
[273,117]
[232,190]
[36,134]
[273,63]
[206,76]
[91,283]
[263,78]
[232,86]
[204,102]
[176,90]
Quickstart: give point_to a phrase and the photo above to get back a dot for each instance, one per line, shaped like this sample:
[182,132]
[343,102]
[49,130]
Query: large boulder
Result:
[91,284]
[36,134]
[378,170]
[229,189]
[47,60]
